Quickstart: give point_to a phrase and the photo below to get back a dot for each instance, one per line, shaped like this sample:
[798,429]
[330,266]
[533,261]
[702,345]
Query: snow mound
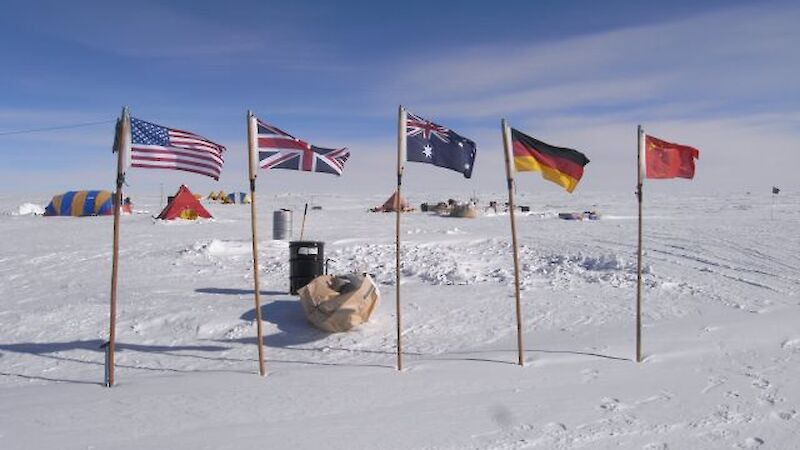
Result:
[752,442]
[217,247]
[594,263]
[792,344]
[564,269]
[228,248]
[29,209]
[453,231]
[432,265]
[603,263]
[486,261]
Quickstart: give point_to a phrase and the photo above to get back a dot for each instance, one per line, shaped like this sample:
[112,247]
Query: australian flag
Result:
[427,142]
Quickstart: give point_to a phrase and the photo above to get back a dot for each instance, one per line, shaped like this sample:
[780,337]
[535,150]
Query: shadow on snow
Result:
[54,350]
[231,291]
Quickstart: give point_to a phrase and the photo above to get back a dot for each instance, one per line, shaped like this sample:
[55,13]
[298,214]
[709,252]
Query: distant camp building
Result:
[84,203]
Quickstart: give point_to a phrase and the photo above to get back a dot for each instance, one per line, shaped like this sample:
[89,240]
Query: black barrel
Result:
[306,262]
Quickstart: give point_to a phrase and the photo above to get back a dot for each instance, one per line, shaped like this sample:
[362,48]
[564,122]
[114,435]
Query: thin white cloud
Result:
[549,98]
[724,82]
[171,36]
[731,57]
[35,117]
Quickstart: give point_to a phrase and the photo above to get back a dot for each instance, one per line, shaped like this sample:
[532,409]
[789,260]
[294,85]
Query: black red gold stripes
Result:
[563,166]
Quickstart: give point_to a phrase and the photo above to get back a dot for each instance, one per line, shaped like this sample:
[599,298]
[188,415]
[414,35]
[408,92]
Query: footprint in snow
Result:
[661,396]
[751,442]
[554,428]
[784,415]
[714,381]
[732,394]
[589,375]
[609,404]
[769,398]
[656,446]
[761,383]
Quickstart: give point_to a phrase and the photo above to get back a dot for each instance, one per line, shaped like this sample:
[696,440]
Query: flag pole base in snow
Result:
[107,365]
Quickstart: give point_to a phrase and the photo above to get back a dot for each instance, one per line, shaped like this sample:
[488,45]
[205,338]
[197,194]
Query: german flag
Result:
[563,166]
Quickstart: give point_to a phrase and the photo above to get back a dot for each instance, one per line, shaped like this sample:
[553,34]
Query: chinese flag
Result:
[667,160]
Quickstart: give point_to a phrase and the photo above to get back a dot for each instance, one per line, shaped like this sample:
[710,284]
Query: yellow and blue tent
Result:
[82,203]
[238,197]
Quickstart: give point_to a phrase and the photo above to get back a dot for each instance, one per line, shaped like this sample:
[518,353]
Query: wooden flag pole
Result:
[401,146]
[510,181]
[122,135]
[772,211]
[303,225]
[251,136]
[640,176]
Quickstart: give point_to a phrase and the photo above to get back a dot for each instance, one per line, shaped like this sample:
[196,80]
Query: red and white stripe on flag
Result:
[157,147]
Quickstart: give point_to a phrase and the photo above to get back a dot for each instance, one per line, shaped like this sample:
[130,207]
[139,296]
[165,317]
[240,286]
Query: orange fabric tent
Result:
[184,206]
[391,205]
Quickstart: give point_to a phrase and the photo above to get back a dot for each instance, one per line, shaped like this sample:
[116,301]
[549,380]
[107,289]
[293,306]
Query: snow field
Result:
[721,337]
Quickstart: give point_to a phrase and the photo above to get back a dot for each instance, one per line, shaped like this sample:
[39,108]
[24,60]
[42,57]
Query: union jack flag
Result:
[417,126]
[280,150]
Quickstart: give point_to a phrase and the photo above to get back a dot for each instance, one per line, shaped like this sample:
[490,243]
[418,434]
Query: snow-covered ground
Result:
[721,329]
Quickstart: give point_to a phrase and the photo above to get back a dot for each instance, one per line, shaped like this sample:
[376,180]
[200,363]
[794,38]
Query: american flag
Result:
[157,147]
[280,150]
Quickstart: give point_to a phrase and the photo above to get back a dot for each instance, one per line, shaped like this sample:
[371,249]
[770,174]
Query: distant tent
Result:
[390,205]
[83,203]
[238,197]
[184,206]
[570,216]
[466,210]
[219,196]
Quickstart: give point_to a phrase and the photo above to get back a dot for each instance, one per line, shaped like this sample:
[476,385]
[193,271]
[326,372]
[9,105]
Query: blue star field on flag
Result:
[430,143]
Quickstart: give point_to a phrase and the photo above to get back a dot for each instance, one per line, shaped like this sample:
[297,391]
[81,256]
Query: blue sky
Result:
[720,75]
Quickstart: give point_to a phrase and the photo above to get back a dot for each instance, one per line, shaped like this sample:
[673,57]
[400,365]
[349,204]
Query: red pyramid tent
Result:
[184,205]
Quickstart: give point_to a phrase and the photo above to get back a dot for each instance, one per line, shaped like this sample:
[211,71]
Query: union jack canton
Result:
[278,149]
[431,143]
